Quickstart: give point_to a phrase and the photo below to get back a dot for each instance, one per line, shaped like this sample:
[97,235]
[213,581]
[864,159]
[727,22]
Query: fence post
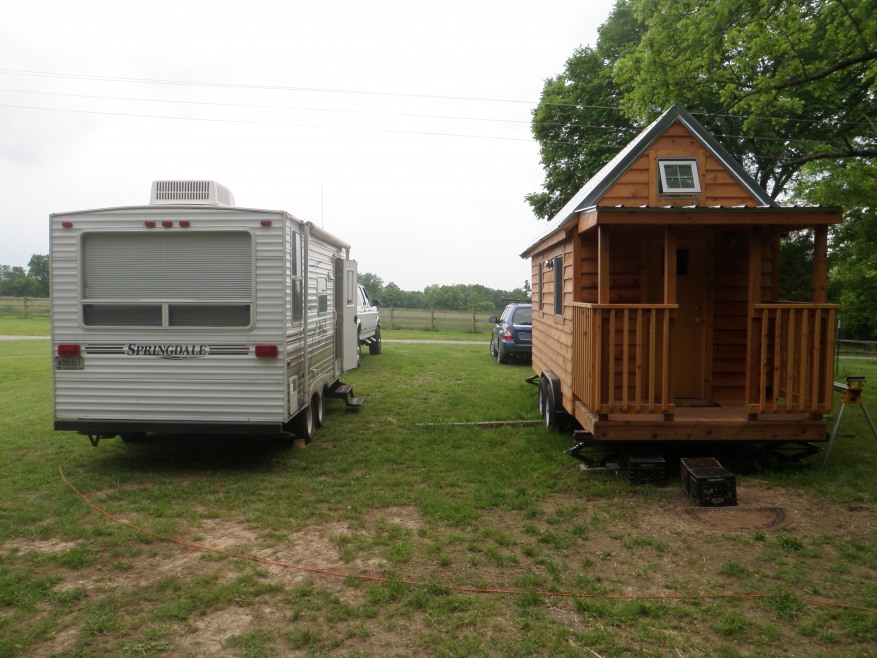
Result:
[25,307]
[473,320]
[392,326]
[432,319]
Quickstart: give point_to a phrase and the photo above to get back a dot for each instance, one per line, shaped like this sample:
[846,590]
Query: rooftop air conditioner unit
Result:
[190,192]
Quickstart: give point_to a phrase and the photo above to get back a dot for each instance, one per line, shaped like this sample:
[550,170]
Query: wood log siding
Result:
[622,357]
[791,366]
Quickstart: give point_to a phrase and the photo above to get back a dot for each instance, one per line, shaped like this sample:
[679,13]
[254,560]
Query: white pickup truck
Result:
[368,322]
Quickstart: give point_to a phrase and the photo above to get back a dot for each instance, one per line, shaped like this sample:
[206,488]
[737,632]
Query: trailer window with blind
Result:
[167,280]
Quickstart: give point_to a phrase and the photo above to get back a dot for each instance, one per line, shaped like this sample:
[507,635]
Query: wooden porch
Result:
[623,376]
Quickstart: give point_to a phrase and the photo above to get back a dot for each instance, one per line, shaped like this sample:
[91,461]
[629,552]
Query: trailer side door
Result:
[346,336]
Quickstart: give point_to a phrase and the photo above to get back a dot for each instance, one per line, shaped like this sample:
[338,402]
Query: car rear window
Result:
[523,315]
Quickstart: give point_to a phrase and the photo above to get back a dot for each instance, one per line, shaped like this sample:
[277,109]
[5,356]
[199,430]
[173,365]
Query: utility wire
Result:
[268,123]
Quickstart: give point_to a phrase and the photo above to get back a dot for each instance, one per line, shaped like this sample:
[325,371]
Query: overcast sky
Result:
[400,127]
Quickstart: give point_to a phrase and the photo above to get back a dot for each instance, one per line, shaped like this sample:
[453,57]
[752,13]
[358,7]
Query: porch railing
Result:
[622,356]
[791,357]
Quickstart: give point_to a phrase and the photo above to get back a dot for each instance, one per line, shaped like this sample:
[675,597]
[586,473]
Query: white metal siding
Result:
[216,388]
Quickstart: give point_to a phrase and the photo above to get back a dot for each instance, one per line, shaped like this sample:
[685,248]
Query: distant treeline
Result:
[33,281]
[461,297]
[16,281]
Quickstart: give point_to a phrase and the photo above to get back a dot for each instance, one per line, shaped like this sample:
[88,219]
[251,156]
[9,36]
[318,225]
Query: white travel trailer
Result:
[190,315]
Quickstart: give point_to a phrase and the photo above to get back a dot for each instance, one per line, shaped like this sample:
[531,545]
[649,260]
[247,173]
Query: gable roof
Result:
[599,184]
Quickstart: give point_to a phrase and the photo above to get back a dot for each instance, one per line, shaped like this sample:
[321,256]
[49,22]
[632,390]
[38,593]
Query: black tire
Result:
[500,357]
[303,425]
[375,346]
[317,410]
[492,349]
[133,437]
[542,401]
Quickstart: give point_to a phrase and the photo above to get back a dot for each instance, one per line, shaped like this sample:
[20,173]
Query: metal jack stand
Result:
[852,394]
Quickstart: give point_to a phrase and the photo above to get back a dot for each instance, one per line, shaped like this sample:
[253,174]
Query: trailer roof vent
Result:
[190,192]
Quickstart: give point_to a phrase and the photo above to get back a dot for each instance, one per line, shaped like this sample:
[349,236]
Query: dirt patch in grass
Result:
[646,542]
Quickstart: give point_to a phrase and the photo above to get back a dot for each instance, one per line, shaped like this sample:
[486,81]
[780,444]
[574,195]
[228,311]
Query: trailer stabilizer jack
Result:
[599,459]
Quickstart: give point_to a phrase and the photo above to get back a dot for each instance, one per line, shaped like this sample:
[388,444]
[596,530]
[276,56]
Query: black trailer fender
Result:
[550,398]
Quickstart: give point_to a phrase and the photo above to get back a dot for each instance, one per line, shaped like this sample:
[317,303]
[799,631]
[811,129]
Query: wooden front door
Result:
[689,360]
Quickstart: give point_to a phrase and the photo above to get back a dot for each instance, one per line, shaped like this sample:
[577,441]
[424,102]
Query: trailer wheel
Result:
[303,424]
[374,347]
[318,412]
[542,402]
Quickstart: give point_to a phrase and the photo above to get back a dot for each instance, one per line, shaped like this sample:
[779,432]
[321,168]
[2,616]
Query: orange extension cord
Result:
[469,590]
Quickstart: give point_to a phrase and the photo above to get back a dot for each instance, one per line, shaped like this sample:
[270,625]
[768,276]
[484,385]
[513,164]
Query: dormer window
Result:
[679,176]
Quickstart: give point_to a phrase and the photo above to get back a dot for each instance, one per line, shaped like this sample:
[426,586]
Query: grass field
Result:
[398,533]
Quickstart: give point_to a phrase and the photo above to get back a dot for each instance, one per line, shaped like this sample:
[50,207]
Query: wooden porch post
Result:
[820,264]
[753,358]
[603,270]
[669,265]
[669,298]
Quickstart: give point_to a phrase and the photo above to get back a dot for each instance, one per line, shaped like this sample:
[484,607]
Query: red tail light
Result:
[507,333]
[267,351]
[69,349]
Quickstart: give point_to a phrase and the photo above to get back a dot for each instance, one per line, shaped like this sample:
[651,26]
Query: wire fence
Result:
[436,319]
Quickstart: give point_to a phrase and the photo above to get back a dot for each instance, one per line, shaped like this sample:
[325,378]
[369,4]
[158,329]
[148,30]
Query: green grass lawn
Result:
[19,326]
[430,508]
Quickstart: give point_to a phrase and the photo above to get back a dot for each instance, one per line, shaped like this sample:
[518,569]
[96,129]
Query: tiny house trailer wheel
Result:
[549,394]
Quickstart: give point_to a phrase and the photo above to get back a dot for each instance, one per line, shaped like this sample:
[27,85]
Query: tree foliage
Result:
[780,83]
[577,123]
[460,297]
[853,258]
[16,281]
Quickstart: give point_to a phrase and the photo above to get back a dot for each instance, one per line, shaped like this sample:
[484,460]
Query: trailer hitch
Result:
[94,439]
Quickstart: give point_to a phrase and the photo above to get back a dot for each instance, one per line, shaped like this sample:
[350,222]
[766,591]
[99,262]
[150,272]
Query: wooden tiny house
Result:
[639,346]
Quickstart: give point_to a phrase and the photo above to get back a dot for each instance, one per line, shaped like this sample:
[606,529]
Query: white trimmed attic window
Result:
[679,176]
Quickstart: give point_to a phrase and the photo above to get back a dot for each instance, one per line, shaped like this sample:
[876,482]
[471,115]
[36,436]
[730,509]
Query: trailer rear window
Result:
[198,279]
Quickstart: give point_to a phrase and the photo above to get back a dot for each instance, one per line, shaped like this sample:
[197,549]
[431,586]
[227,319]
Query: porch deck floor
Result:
[728,421]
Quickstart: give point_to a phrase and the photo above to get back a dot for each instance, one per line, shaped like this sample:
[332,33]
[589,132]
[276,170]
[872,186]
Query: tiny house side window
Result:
[558,285]
[539,288]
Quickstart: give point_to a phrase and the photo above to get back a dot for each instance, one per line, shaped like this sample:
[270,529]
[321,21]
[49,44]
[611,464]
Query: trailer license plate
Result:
[69,363]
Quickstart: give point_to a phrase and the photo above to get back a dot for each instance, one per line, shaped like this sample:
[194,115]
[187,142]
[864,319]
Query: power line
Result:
[261,107]
[266,123]
[235,85]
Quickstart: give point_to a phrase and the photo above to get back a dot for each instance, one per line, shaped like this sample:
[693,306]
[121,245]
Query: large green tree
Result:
[578,123]
[781,83]
[853,271]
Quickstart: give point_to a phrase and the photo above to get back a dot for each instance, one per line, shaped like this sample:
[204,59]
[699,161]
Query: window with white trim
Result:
[679,176]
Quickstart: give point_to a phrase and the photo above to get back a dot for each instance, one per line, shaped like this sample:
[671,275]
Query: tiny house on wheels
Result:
[656,306]
[190,315]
